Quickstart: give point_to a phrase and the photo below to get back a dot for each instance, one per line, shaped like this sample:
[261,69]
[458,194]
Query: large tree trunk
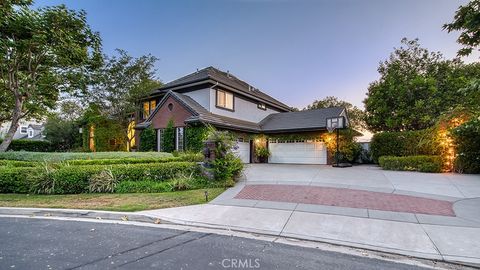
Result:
[16,116]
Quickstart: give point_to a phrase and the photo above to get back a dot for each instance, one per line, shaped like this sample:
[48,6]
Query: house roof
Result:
[302,120]
[278,122]
[225,78]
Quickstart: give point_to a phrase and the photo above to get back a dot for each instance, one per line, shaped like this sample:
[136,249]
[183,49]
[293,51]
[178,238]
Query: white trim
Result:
[179,133]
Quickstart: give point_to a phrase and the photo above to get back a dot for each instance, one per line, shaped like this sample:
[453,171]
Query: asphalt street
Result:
[27,243]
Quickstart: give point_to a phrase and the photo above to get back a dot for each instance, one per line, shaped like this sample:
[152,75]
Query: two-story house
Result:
[210,96]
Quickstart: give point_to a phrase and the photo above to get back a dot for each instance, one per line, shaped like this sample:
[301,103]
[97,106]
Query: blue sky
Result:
[297,51]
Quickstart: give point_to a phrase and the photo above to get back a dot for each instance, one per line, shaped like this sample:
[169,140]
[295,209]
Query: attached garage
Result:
[243,151]
[297,152]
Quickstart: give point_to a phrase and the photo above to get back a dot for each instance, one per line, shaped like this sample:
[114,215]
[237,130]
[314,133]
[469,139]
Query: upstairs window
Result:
[148,107]
[262,106]
[23,129]
[224,100]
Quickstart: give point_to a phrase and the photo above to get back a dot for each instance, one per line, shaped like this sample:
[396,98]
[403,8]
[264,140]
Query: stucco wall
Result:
[244,109]
[201,96]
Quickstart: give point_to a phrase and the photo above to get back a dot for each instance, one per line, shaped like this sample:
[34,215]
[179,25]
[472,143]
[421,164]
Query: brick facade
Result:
[178,114]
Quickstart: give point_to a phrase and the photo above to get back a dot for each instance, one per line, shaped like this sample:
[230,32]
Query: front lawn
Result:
[61,156]
[111,202]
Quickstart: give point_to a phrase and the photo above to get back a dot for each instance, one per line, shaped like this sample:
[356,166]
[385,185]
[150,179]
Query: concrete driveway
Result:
[366,177]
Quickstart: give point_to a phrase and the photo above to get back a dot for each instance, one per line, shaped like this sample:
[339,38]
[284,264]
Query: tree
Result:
[43,53]
[355,114]
[415,87]
[467,20]
[120,83]
[62,127]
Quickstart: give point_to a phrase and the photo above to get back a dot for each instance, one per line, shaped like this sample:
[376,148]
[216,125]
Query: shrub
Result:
[404,143]
[226,164]
[148,140]
[194,138]
[30,145]
[39,156]
[168,137]
[467,139]
[15,180]
[104,181]
[412,163]
[16,163]
[67,179]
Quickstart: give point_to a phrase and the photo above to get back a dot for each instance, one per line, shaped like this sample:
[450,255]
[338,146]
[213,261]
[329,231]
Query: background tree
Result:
[467,20]
[415,87]
[43,52]
[355,114]
[62,127]
[120,83]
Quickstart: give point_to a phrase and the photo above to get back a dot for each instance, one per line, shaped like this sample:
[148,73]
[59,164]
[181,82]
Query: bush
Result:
[431,164]
[67,179]
[16,163]
[103,181]
[405,143]
[148,140]
[467,139]
[15,180]
[226,165]
[168,137]
[55,157]
[30,145]
[194,138]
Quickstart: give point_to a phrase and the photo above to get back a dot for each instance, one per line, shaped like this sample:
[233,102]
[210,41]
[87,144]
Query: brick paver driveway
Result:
[346,198]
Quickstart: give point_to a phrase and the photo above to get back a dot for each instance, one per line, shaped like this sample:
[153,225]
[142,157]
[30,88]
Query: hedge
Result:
[467,139]
[17,163]
[189,157]
[431,164]
[75,179]
[30,145]
[404,143]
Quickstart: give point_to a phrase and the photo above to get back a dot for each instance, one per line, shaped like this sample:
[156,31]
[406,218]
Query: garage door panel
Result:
[300,153]
[243,151]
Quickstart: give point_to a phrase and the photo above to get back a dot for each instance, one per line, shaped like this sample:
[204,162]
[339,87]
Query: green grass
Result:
[42,156]
[112,202]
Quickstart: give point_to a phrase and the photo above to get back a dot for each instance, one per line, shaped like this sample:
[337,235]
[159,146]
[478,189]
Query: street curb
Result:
[78,213]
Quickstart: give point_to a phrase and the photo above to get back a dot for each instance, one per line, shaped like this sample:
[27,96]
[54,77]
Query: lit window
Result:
[153,104]
[23,129]
[179,139]
[224,100]
[146,110]
[262,106]
[91,138]
[131,135]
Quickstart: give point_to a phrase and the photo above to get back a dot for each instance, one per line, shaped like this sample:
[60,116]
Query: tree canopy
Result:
[415,87]
[355,114]
[467,21]
[43,53]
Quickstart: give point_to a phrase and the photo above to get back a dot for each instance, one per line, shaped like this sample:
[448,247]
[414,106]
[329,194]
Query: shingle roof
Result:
[286,121]
[224,78]
[302,120]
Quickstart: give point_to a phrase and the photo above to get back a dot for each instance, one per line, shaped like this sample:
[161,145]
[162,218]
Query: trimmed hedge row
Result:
[134,160]
[75,179]
[431,164]
[30,145]
[17,163]
[404,143]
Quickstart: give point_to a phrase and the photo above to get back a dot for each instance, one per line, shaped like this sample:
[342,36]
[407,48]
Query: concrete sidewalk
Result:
[452,243]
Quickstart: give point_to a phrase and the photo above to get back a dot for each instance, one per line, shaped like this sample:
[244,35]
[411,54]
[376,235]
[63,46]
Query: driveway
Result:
[434,216]
[367,177]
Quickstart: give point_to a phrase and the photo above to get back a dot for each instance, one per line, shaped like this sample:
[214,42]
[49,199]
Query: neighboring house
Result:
[29,130]
[211,96]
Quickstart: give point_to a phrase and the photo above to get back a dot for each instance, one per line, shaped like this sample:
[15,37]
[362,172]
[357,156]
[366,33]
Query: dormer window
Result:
[148,107]
[224,100]
[262,106]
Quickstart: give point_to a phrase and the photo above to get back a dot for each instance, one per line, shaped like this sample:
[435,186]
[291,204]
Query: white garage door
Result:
[307,152]
[243,151]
